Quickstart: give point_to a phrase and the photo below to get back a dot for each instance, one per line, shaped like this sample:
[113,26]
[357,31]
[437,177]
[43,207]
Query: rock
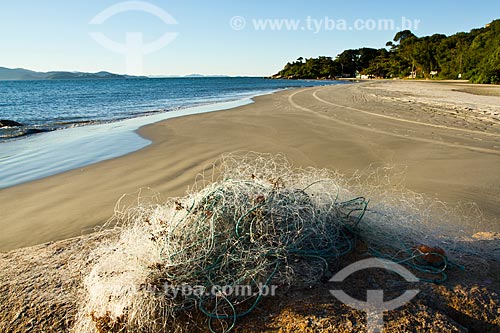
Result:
[35,131]
[9,123]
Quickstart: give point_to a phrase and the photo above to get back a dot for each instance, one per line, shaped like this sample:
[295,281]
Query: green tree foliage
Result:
[312,68]
[474,55]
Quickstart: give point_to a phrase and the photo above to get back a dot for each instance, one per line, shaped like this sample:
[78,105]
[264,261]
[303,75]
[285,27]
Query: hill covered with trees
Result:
[473,55]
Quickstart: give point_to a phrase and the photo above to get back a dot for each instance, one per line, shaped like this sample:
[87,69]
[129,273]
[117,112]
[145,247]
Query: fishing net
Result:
[253,223]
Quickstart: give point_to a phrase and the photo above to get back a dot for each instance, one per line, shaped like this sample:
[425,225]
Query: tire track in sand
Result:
[374,130]
[405,120]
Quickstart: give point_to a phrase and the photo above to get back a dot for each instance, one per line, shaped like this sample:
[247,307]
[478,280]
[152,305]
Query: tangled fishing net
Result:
[255,222]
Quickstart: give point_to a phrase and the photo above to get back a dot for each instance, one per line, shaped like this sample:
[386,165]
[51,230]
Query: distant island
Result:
[26,74]
[473,56]
[189,76]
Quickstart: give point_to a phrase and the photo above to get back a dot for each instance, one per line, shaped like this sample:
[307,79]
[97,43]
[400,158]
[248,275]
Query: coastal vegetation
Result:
[474,56]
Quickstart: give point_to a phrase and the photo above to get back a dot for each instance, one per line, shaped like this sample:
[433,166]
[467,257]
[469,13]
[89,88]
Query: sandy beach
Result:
[446,136]
[443,137]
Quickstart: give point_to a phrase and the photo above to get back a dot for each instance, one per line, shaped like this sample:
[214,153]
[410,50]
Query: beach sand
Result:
[444,138]
[448,141]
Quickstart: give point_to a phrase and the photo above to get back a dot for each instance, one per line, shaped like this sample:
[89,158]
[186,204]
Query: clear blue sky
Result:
[48,35]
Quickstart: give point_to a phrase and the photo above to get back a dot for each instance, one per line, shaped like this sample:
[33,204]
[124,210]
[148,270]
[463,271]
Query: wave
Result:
[15,132]
[11,133]
[7,133]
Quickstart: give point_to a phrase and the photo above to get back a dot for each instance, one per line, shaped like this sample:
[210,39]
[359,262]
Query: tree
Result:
[475,55]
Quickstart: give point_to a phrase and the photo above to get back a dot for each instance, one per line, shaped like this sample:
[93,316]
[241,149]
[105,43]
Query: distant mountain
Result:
[20,74]
[163,76]
[201,75]
[218,75]
[26,74]
[189,76]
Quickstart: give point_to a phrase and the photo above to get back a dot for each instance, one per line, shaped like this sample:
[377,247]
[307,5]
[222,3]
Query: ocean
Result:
[68,124]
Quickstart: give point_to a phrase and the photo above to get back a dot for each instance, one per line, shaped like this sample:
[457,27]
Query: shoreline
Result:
[316,126]
[101,142]
[49,153]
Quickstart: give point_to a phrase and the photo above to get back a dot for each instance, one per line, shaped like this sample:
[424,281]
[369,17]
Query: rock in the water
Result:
[9,123]
[35,131]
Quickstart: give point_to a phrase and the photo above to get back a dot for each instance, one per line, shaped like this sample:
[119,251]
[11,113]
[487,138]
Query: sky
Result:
[230,37]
